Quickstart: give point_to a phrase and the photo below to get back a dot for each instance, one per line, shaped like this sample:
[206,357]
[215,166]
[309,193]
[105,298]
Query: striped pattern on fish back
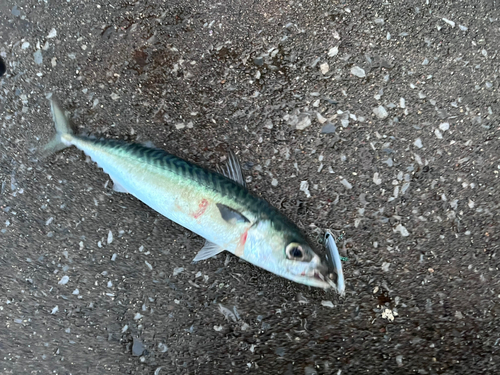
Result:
[210,179]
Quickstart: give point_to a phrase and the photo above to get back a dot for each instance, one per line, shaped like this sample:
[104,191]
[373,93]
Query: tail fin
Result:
[63,127]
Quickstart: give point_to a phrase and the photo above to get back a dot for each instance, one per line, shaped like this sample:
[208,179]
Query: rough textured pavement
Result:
[378,120]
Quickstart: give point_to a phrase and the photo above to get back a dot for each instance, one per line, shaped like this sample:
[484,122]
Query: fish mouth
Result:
[325,281]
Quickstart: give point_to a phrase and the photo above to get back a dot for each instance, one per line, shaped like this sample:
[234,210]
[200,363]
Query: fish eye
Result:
[294,251]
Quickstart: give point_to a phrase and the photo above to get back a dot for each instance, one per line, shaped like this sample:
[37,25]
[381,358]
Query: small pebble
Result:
[333,51]
[401,229]
[387,314]
[259,61]
[15,12]
[137,347]
[327,304]
[346,183]
[380,112]
[320,118]
[178,270]
[52,34]
[418,143]
[137,316]
[358,72]
[303,123]
[449,22]
[324,68]
[304,186]
[399,360]
[328,129]
[64,280]
[444,126]
[37,56]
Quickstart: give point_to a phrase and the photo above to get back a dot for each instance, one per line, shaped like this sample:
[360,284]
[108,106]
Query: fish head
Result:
[285,252]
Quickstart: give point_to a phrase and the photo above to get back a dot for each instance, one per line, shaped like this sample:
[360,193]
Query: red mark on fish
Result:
[202,207]
[243,238]
[240,250]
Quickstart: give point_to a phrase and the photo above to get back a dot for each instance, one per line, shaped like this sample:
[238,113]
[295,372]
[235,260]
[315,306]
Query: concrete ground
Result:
[388,110]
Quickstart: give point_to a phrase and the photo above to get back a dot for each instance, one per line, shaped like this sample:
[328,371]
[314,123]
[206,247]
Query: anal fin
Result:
[209,250]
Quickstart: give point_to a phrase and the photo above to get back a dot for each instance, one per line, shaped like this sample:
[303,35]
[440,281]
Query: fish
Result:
[215,205]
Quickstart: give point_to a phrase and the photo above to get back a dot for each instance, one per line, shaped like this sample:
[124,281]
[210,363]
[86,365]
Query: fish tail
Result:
[64,130]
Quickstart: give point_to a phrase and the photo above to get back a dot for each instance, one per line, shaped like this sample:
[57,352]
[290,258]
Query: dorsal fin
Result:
[233,169]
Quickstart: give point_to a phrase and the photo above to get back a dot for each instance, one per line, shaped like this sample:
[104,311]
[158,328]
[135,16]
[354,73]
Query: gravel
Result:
[408,179]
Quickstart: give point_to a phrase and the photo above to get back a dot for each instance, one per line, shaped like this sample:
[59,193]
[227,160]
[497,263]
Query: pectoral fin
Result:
[231,215]
[209,250]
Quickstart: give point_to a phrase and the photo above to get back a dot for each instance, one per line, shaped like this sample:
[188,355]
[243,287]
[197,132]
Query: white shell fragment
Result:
[346,184]
[444,126]
[333,51]
[52,33]
[449,22]
[324,68]
[64,280]
[401,229]
[358,72]
[327,304]
[304,186]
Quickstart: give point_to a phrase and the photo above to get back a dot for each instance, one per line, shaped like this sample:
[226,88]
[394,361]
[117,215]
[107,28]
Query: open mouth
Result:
[324,279]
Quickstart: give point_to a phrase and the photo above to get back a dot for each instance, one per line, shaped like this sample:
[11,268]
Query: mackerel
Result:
[216,206]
